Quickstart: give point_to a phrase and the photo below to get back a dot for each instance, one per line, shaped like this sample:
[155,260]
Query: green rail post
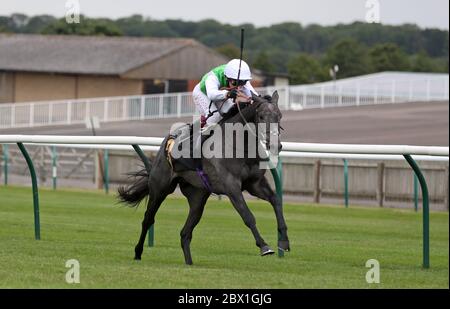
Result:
[106,170]
[5,162]
[416,193]
[277,173]
[54,174]
[425,209]
[145,160]
[346,183]
[37,226]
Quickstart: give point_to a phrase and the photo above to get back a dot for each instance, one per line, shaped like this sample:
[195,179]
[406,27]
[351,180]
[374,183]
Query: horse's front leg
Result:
[262,190]
[238,201]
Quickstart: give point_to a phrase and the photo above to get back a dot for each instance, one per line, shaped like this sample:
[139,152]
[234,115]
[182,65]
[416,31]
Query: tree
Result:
[3,29]
[435,42]
[304,69]
[38,23]
[263,63]
[158,29]
[18,21]
[6,24]
[422,63]
[350,56]
[229,50]
[183,28]
[278,58]
[388,57]
[132,25]
[86,26]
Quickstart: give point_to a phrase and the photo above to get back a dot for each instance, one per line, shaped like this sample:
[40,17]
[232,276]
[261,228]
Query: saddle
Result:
[178,140]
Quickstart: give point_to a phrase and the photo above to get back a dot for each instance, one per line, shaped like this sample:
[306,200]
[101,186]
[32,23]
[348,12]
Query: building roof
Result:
[83,54]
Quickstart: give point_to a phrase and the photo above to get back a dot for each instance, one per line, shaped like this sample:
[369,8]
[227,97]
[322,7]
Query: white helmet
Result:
[232,70]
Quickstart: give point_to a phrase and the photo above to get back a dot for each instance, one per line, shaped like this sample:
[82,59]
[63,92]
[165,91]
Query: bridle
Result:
[263,135]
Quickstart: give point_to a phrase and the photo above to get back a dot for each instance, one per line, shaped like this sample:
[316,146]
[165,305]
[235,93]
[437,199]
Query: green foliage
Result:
[37,23]
[423,63]
[263,63]
[435,42]
[305,69]
[86,26]
[388,57]
[350,56]
[229,50]
[20,23]
[3,29]
[278,58]
[182,28]
[132,26]
[440,65]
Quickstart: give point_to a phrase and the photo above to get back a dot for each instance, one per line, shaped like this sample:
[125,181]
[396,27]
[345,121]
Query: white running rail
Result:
[288,147]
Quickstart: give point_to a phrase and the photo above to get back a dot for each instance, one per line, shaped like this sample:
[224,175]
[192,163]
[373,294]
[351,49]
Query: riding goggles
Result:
[235,82]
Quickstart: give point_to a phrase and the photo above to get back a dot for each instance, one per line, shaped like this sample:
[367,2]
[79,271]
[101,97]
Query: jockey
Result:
[219,89]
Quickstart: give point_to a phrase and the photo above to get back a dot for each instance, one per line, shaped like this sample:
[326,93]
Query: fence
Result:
[377,181]
[323,95]
[384,181]
[111,109]
[292,148]
[356,92]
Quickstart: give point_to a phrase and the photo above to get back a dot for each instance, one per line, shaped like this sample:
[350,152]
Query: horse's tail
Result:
[134,193]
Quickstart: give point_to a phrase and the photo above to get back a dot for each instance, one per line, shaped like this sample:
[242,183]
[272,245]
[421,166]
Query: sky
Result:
[425,13]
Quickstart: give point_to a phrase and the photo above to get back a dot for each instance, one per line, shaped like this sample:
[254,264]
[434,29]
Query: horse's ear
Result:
[275,97]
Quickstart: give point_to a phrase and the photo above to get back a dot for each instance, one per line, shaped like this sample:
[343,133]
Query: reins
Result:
[245,120]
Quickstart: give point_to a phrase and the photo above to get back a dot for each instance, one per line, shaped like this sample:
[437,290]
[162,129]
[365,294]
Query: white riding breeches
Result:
[202,102]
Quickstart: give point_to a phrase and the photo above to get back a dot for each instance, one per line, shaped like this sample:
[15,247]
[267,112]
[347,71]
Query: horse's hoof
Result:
[137,258]
[266,251]
[284,245]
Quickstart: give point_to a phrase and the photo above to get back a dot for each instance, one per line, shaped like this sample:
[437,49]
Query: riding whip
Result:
[240,57]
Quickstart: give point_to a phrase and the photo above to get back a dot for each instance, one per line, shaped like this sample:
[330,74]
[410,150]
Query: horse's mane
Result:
[248,112]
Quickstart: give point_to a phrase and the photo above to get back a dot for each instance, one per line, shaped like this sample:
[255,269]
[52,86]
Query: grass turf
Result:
[330,245]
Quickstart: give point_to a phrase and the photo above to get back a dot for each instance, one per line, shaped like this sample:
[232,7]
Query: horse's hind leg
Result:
[263,190]
[152,207]
[154,201]
[197,199]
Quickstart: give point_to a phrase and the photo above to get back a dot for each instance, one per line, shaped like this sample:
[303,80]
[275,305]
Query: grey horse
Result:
[226,176]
